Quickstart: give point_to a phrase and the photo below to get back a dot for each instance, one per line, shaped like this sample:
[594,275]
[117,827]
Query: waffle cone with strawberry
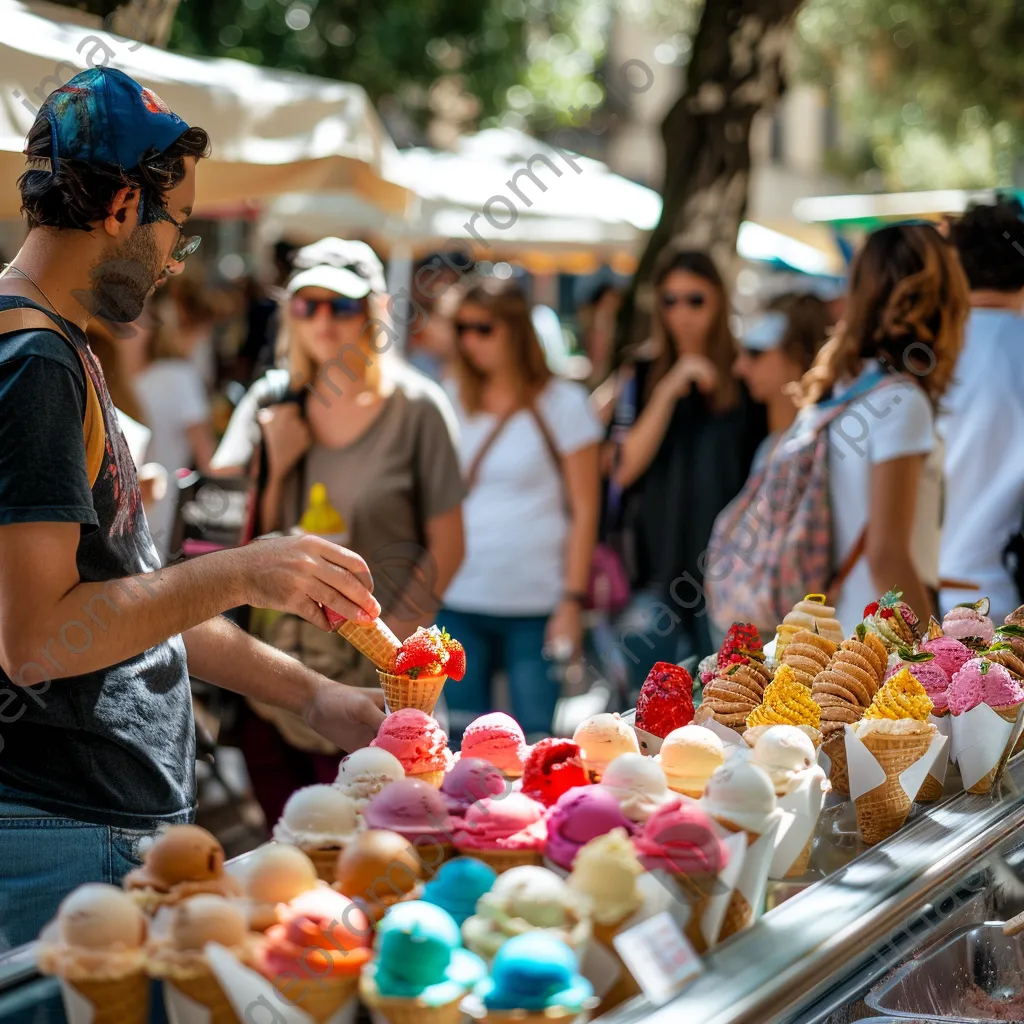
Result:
[738,686]
[422,665]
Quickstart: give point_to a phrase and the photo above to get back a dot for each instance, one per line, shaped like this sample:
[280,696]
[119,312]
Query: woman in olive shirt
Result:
[380,437]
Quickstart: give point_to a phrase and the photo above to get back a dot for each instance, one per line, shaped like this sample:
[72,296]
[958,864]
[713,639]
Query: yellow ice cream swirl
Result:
[901,697]
[786,701]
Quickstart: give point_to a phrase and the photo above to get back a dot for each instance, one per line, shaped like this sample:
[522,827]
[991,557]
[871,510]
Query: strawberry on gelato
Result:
[497,738]
[553,768]
[950,654]
[666,700]
[965,621]
[416,740]
[981,681]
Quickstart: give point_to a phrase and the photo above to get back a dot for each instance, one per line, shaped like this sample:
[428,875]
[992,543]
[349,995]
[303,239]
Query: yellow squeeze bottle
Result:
[320,516]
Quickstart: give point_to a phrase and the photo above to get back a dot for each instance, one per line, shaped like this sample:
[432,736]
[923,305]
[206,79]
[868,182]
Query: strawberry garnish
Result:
[456,666]
[741,646]
[870,610]
[423,653]
[666,700]
[887,613]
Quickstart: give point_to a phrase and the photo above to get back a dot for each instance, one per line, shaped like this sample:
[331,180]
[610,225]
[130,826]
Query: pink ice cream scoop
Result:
[470,779]
[950,654]
[416,740]
[512,822]
[413,809]
[582,814]
[963,622]
[680,838]
[497,738]
[981,681]
[931,676]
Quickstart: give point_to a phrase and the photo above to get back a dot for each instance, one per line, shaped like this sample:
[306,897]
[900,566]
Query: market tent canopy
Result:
[874,210]
[503,193]
[272,131]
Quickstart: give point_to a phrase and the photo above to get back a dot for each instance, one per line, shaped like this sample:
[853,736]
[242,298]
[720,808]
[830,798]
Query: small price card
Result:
[659,956]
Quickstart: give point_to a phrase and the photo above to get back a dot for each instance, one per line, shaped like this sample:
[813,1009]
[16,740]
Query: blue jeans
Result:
[43,857]
[514,643]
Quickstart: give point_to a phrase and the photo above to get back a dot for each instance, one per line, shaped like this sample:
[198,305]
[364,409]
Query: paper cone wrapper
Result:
[377,642]
[983,739]
[886,774]
[709,896]
[935,783]
[834,748]
[649,743]
[325,861]
[121,1001]
[404,692]
[255,997]
[504,860]
[752,881]
[204,1002]
[801,807]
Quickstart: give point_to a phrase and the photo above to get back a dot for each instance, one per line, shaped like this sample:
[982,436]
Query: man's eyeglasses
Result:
[340,308]
[695,300]
[485,330]
[186,245]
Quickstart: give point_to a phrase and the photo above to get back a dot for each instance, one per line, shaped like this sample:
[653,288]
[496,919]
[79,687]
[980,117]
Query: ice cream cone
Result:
[884,809]
[931,790]
[409,1011]
[835,748]
[505,860]
[984,785]
[604,933]
[434,778]
[738,915]
[405,692]
[323,999]
[119,1001]
[553,1015]
[205,990]
[377,642]
[698,891]
[800,865]
[325,861]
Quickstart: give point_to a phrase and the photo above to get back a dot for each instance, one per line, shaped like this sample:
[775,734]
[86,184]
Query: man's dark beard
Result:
[121,279]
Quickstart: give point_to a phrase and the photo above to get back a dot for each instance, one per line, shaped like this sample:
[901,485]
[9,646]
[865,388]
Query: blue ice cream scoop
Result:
[535,972]
[458,885]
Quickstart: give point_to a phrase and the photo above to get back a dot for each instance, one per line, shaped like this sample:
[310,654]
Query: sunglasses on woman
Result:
[695,300]
[340,308]
[464,327]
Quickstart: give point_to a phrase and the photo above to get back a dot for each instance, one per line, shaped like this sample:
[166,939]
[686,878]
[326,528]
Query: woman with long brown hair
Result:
[684,434]
[529,453]
[906,306]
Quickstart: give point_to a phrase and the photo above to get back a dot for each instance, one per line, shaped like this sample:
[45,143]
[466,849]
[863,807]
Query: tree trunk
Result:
[734,73]
[148,21]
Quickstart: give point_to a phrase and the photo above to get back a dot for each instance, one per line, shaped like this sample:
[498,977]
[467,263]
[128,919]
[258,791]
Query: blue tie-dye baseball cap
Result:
[104,117]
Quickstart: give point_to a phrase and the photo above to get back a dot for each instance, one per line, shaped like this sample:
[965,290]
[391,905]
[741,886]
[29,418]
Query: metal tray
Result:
[934,983]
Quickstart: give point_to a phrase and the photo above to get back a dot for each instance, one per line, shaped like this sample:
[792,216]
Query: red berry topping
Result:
[553,767]
[887,613]
[666,700]
[422,654]
[870,609]
[742,644]
[456,666]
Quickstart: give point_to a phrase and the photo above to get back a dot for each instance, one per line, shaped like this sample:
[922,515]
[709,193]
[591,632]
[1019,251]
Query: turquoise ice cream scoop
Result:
[535,972]
[458,885]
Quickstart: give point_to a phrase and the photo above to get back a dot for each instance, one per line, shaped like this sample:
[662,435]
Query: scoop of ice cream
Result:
[203,919]
[277,873]
[101,917]
[458,884]
[522,900]
[681,839]
[605,872]
[981,681]
[183,854]
[411,808]
[638,783]
[512,822]
[965,621]
[784,752]
[555,766]
[378,865]
[689,756]
[666,700]
[469,780]
[580,815]
[741,794]
[317,816]
[786,701]
[420,956]
[497,738]
[901,696]
[365,772]
[321,934]
[418,742]
[601,739]
[950,654]
[537,974]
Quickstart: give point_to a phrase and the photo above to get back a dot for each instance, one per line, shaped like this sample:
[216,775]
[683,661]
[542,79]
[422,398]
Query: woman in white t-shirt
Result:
[529,452]
[897,345]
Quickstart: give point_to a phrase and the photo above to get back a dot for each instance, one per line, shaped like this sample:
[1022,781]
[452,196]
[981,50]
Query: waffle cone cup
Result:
[408,1011]
[205,990]
[121,1001]
[325,861]
[430,778]
[984,785]
[505,860]
[376,642]
[323,999]
[835,747]
[554,1015]
[604,933]
[697,891]
[931,790]
[738,915]
[884,809]
[802,863]
[405,692]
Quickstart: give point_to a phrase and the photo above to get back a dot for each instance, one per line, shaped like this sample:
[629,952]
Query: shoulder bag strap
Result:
[553,452]
[93,431]
[473,473]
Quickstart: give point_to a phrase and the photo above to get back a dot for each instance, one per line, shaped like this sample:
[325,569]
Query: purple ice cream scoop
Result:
[412,808]
[469,780]
[582,814]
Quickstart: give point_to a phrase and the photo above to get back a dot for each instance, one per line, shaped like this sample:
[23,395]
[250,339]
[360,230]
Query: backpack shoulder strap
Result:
[93,432]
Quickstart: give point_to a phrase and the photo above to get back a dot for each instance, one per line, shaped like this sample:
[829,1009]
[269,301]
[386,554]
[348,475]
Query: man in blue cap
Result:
[97,744]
